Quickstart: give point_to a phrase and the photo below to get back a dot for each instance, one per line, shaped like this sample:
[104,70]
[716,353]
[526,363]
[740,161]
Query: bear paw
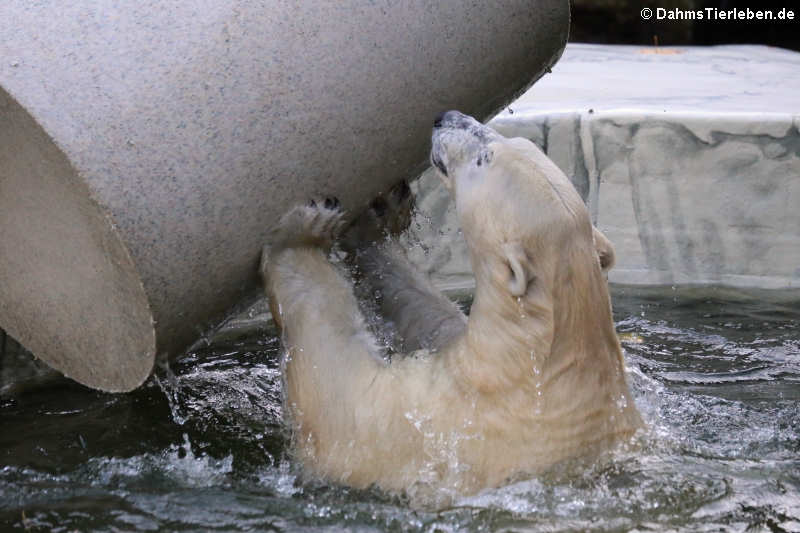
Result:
[315,224]
[389,214]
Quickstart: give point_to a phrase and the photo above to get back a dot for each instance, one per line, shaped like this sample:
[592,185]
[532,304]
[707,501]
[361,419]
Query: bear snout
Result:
[451,119]
[437,122]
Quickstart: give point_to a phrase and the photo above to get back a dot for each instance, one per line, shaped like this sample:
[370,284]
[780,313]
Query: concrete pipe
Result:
[146,148]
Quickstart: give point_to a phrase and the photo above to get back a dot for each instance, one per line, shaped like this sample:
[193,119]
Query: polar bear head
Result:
[515,207]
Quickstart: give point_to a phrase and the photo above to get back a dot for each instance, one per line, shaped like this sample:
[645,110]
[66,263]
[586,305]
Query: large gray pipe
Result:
[146,148]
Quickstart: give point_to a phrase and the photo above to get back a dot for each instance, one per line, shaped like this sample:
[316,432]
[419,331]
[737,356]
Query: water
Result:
[202,448]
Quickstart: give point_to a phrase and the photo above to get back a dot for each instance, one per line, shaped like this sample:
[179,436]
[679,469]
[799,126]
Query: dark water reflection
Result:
[715,373]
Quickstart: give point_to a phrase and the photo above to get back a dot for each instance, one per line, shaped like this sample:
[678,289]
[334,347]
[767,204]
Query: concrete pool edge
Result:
[685,197]
[688,157]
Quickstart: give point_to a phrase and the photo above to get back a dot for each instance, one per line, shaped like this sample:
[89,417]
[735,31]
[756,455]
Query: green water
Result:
[202,448]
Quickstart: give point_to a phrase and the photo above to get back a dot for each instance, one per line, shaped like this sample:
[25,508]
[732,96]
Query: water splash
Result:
[171,388]
[177,465]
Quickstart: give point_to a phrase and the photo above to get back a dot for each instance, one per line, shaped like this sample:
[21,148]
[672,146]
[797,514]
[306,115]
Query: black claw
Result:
[332,203]
[379,206]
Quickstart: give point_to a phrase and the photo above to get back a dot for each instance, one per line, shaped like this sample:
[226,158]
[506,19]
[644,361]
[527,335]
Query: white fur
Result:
[533,377]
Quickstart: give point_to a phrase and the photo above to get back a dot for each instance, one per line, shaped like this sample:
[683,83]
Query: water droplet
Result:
[622,402]
[171,389]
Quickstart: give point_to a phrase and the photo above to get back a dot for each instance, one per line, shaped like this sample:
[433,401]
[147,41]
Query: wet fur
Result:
[535,374]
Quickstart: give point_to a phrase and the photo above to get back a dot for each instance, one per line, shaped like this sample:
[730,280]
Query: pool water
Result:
[201,447]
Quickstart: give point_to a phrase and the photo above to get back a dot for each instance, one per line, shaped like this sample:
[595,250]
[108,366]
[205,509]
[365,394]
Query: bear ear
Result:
[605,250]
[517,261]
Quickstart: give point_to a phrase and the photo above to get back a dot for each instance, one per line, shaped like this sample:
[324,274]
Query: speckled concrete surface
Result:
[146,148]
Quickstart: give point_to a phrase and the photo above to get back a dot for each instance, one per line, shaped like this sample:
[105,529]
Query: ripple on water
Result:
[716,379]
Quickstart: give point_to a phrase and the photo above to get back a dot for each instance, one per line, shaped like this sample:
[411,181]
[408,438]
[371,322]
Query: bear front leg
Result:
[333,372]
[306,230]
[422,316]
[323,331]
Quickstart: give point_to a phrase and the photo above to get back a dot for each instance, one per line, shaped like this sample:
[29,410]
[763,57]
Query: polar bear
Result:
[533,376]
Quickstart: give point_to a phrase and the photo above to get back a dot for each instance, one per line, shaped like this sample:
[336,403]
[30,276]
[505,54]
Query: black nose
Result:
[437,122]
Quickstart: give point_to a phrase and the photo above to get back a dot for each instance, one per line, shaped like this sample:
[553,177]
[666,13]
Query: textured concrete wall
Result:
[146,148]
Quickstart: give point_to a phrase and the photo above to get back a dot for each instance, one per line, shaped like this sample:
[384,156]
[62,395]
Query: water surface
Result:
[715,373]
